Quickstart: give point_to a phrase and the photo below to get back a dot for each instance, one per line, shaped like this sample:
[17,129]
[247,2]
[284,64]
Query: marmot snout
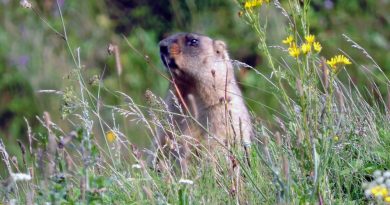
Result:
[203,80]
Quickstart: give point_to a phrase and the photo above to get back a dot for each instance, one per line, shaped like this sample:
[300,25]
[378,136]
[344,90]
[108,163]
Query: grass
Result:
[325,141]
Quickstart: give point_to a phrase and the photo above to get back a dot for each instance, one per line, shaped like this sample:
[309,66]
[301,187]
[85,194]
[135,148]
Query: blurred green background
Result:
[34,58]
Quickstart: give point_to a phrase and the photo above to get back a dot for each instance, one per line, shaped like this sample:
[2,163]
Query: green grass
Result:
[326,139]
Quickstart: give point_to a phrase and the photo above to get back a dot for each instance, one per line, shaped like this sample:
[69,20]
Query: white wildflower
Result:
[186,181]
[377,174]
[386,174]
[387,183]
[380,180]
[12,202]
[20,177]
[246,144]
[136,166]
[368,193]
[25,4]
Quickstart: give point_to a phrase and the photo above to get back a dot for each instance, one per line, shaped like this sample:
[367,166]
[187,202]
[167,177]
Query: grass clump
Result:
[321,147]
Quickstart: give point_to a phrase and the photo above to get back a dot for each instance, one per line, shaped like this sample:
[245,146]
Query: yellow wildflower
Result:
[387,199]
[253,3]
[336,138]
[379,191]
[317,47]
[110,136]
[331,63]
[294,51]
[306,48]
[288,40]
[375,190]
[384,191]
[338,60]
[344,59]
[310,39]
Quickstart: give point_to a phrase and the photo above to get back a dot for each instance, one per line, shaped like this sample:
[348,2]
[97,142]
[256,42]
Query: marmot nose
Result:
[164,47]
[164,51]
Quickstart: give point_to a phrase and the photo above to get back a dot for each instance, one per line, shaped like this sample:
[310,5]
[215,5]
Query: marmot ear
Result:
[219,46]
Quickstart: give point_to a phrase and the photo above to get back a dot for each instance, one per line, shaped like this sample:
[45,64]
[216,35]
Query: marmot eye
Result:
[193,42]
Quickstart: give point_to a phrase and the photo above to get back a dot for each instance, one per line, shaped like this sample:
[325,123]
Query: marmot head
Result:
[193,55]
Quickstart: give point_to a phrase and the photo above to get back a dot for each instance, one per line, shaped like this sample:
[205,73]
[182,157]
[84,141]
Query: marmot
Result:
[204,85]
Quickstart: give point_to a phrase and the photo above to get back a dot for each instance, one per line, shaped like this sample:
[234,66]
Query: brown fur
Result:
[204,84]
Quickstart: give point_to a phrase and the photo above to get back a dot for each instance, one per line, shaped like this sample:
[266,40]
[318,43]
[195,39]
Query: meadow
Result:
[82,84]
